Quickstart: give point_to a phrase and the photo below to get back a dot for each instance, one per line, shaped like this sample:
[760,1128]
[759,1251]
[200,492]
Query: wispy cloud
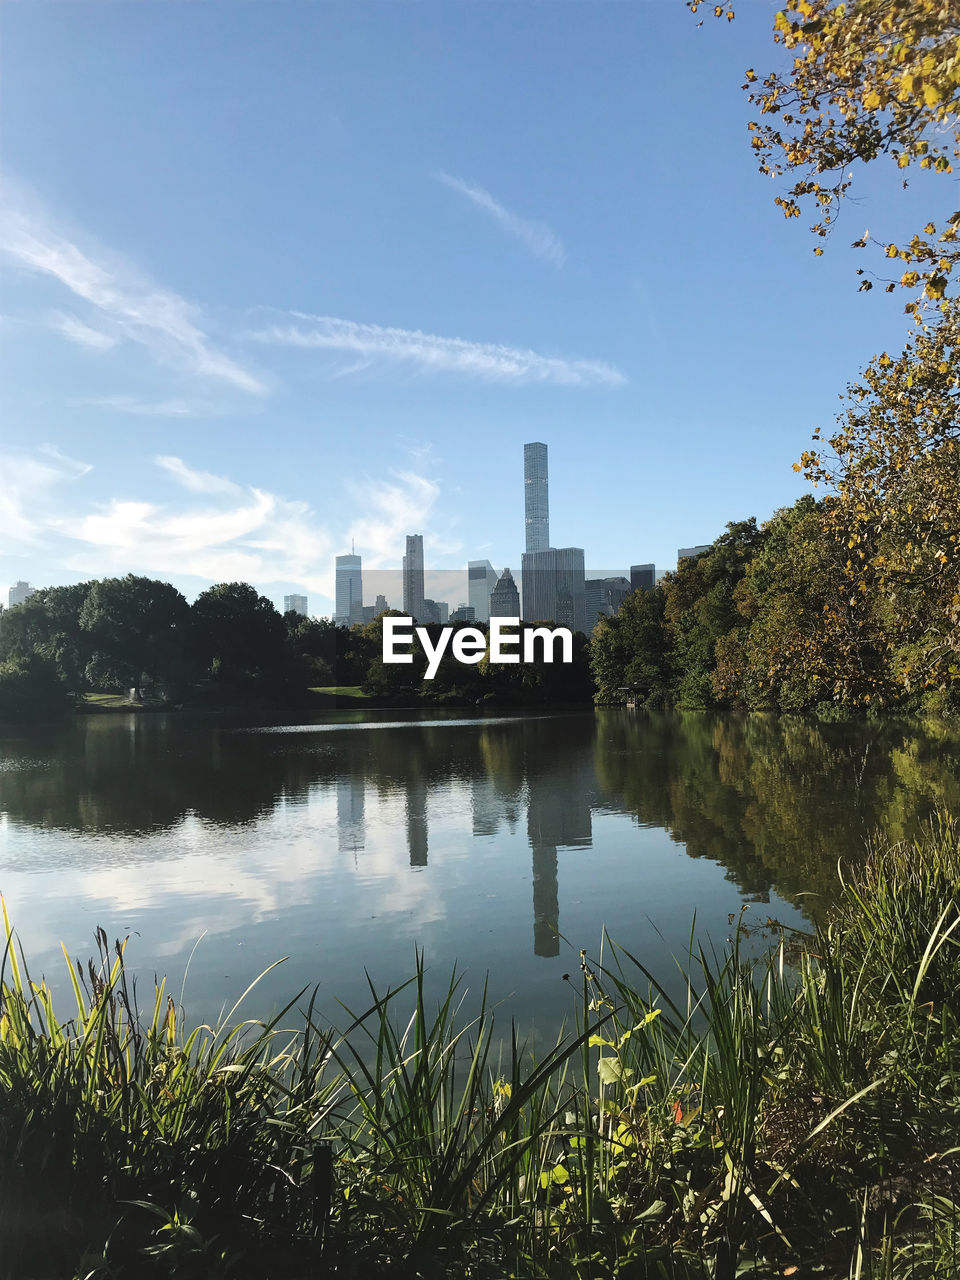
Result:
[84,335]
[149,408]
[126,305]
[392,508]
[215,530]
[32,489]
[536,237]
[434,354]
[195,481]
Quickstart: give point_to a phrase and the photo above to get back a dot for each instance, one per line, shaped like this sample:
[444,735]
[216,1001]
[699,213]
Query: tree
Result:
[800,641]
[699,608]
[868,79]
[138,628]
[239,638]
[894,468]
[633,649]
[48,624]
[31,688]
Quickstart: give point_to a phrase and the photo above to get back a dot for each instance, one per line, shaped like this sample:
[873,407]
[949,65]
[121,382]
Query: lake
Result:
[501,843]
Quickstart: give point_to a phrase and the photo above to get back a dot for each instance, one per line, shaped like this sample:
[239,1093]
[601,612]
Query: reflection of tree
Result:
[774,799]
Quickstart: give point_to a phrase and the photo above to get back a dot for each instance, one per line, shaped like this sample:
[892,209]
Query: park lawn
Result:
[341,690]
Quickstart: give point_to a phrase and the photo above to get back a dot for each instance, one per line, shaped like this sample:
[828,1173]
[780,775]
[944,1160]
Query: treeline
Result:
[771,618]
[230,646]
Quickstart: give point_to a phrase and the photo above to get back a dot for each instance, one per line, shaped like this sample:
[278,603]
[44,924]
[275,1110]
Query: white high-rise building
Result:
[413,586]
[481,579]
[295,604]
[19,592]
[349,601]
[536,504]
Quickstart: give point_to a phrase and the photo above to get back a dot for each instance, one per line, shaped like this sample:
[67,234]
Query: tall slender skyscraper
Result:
[349,600]
[413,590]
[536,505]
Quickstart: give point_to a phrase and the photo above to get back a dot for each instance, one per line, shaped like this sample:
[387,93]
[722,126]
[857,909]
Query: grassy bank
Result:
[791,1116]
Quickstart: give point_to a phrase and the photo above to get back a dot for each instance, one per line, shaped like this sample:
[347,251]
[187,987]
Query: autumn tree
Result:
[876,78]
[893,465]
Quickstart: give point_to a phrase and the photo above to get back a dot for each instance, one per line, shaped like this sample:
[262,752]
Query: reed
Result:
[794,1114]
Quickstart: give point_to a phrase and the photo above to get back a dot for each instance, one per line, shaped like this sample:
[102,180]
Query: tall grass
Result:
[797,1114]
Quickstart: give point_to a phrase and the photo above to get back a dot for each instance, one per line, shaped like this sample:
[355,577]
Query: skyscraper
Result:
[18,593]
[295,604]
[413,589]
[505,598]
[536,504]
[349,590]
[481,579]
[554,587]
[643,575]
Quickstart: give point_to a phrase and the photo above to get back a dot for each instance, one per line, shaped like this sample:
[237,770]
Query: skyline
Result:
[314,274]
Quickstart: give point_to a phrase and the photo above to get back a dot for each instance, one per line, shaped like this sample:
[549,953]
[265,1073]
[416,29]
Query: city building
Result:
[413,589]
[465,613]
[688,553]
[604,596]
[295,604]
[536,505]
[373,611]
[349,591]
[505,598]
[436,611]
[554,587]
[19,592]
[481,579]
[643,576]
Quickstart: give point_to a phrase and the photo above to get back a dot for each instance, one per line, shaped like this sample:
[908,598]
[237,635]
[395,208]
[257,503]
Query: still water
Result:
[503,844]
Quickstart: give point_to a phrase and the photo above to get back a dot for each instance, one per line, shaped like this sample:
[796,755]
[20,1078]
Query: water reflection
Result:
[774,802]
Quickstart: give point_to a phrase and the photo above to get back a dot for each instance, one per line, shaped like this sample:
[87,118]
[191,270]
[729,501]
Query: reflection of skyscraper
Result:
[558,815]
[350,818]
[417,820]
[413,588]
[349,600]
[536,505]
[485,806]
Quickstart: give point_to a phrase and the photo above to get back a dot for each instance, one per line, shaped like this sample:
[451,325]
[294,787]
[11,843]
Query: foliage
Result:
[31,688]
[894,468]
[238,637]
[867,79]
[138,628]
[632,649]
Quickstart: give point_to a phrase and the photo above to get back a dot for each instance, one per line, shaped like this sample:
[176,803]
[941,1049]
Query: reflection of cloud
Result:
[534,236]
[128,306]
[285,860]
[430,353]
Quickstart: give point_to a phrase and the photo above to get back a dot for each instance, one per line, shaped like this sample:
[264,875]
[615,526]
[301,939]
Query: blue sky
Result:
[280,274]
